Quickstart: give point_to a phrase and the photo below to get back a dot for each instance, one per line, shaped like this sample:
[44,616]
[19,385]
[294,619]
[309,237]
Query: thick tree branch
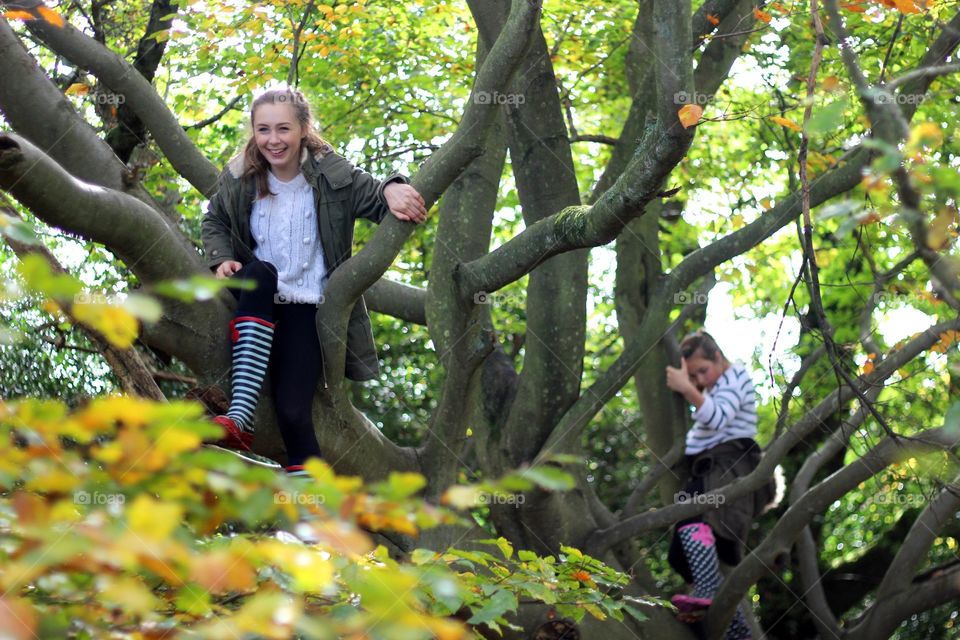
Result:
[464,231]
[580,227]
[38,111]
[397,299]
[898,580]
[126,225]
[807,549]
[542,164]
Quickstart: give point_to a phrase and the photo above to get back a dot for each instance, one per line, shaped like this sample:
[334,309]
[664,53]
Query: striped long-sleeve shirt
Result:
[728,412]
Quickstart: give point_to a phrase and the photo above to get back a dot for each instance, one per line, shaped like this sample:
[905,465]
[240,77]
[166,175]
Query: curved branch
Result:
[130,228]
[397,299]
[580,227]
[37,110]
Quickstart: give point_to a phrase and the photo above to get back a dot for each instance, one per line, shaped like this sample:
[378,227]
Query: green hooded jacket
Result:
[342,193]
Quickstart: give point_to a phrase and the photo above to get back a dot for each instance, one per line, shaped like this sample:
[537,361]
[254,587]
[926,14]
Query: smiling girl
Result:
[283,217]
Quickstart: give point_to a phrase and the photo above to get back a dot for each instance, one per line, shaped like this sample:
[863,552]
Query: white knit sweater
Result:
[286,234]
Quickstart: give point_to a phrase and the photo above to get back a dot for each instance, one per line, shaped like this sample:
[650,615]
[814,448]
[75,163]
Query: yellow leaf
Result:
[152,519]
[311,572]
[130,594]
[939,236]
[762,16]
[51,16]
[925,134]
[784,122]
[689,115]
[443,629]
[172,441]
[831,83]
[101,413]
[116,324]
[53,481]
[461,497]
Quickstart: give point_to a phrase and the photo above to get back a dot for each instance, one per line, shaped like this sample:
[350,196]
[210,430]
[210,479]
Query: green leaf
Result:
[38,275]
[549,478]
[18,230]
[526,556]
[636,613]
[500,602]
[951,421]
[200,288]
[504,545]
[828,118]
[423,556]
[399,485]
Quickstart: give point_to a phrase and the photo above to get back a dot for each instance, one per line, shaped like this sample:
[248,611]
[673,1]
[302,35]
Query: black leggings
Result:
[296,361]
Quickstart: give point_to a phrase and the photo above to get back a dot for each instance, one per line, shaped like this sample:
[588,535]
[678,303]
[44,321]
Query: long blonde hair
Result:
[256,164]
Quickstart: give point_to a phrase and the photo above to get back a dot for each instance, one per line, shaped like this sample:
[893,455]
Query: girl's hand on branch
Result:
[678,379]
[405,202]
